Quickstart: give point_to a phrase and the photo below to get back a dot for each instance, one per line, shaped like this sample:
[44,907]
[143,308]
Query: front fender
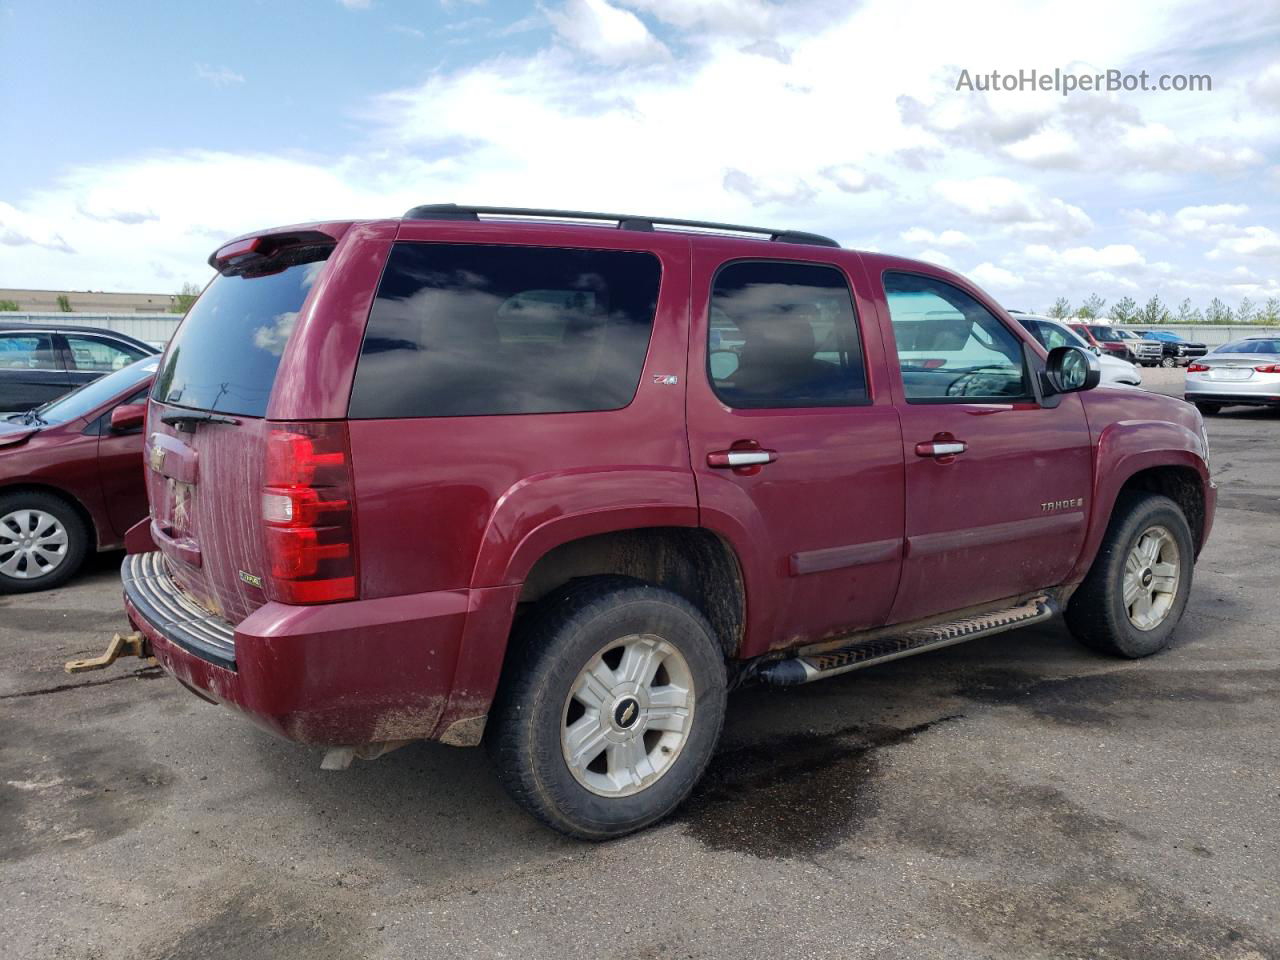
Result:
[1126,448]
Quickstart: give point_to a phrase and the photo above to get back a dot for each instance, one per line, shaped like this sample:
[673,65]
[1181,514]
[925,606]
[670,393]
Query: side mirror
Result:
[128,416]
[1070,370]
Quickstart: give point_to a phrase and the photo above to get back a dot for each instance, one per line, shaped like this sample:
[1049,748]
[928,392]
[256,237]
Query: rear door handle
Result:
[941,448]
[741,458]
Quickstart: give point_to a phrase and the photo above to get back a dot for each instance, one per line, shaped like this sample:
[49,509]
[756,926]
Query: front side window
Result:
[950,347]
[27,351]
[93,354]
[470,330]
[784,334]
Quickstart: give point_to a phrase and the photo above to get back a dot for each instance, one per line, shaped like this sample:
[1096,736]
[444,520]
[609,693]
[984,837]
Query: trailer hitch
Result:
[131,645]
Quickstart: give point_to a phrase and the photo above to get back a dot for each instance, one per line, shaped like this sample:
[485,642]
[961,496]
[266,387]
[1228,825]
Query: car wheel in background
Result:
[1168,362]
[1137,588]
[1208,409]
[610,706]
[43,541]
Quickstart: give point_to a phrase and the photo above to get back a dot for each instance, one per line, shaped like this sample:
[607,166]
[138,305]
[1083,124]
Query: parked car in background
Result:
[71,478]
[1112,340]
[559,486]
[1240,372]
[39,362]
[1052,333]
[1177,352]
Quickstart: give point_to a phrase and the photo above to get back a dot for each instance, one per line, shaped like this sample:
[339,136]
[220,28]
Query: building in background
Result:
[87,301]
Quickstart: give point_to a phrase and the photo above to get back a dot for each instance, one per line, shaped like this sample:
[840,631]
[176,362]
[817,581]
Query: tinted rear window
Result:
[468,329]
[225,354]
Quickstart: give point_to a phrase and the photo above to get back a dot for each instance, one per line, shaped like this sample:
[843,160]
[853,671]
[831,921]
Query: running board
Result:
[866,653]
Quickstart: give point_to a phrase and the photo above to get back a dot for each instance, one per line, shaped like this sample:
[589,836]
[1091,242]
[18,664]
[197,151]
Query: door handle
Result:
[941,448]
[741,458]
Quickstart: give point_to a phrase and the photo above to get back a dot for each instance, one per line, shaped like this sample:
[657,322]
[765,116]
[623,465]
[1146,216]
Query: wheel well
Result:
[62,495]
[689,561]
[1181,485]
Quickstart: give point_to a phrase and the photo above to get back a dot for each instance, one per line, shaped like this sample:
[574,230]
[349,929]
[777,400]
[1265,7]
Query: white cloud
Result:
[1114,256]
[996,278]
[1256,241]
[1266,87]
[19,229]
[952,239]
[1005,201]
[605,32]
[219,76]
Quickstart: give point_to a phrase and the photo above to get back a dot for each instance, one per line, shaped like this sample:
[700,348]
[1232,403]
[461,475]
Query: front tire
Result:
[1135,592]
[610,707]
[43,541]
[1168,362]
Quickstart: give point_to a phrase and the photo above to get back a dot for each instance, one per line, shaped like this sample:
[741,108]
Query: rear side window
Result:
[27,351]
[470,329]
[97,355]
[783,334]
[225,354]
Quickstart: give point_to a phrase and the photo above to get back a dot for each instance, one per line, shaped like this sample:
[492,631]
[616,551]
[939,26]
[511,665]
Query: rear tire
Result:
[1135,592]
[43,541]
[1208,409]
[610,707]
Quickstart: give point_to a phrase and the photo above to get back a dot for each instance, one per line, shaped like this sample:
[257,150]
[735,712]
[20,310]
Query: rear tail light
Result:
[1268,368]
[307,513]
[1196,368]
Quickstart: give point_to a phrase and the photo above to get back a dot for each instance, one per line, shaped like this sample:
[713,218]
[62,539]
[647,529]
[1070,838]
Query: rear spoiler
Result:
[253,254]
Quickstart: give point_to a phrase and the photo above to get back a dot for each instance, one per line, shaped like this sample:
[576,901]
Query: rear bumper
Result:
[1227,391]
[366,671]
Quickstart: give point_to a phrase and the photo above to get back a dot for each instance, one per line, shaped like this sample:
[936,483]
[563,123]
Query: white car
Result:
[1052,333]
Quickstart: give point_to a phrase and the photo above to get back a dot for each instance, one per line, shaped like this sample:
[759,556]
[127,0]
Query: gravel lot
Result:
[1016,797]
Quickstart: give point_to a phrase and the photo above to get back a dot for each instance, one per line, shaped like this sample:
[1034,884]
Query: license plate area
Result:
[1230,373]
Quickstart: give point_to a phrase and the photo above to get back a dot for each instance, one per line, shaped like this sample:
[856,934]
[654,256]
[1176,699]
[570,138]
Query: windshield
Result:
[1053,335]
[1249,346]
[1106,334]
[225,355]
[87,399]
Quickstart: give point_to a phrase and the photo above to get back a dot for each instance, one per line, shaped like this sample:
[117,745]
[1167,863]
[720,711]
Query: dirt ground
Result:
[1016,797]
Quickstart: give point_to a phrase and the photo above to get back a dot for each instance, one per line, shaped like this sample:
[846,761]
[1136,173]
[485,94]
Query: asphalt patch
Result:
[794,796]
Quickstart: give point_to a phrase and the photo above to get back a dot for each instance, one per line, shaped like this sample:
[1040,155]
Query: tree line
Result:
[1154,313]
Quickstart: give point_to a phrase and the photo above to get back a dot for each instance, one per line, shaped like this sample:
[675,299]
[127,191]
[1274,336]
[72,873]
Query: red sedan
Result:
[71,478]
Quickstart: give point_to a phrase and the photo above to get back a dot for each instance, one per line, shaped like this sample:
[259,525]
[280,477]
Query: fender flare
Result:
[1124,449]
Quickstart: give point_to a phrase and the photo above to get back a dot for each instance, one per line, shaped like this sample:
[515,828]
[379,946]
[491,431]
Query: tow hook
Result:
[131,645]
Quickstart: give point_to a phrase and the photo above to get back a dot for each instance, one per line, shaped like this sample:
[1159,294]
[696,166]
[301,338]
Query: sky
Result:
[138,136]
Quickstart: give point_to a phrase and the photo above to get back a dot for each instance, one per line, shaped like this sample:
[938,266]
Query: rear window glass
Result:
[468,329]
[225,354]
[1249,346]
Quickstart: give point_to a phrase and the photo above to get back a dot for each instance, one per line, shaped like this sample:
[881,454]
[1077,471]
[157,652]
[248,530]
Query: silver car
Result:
[1242,371]
[1052,334]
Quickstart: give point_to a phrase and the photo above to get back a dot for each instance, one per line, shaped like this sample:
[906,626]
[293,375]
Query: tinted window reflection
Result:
[784,335]
[225,354]
[465,330]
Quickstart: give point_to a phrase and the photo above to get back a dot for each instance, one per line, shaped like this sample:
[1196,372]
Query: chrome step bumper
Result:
[866,653]
[174,615]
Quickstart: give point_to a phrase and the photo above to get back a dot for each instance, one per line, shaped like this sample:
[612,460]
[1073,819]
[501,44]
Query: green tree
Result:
[1124,310]
[1189,314]
[1061,309]
[1092,307]
[64,303]
[1217,312]
[1270,312]
[184,298]
[1246,312]
[1153,313]
[10,305]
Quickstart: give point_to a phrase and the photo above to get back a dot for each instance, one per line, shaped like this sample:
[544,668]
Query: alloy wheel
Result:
[1151,574]
[628,715]
[33,543]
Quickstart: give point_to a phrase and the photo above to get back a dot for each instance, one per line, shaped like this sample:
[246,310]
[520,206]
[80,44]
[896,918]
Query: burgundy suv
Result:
[557,482]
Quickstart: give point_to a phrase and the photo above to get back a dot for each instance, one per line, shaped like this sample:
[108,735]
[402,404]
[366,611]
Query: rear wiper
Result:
[192,417]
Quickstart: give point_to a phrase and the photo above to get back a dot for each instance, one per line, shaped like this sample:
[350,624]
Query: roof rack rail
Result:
[452,211]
